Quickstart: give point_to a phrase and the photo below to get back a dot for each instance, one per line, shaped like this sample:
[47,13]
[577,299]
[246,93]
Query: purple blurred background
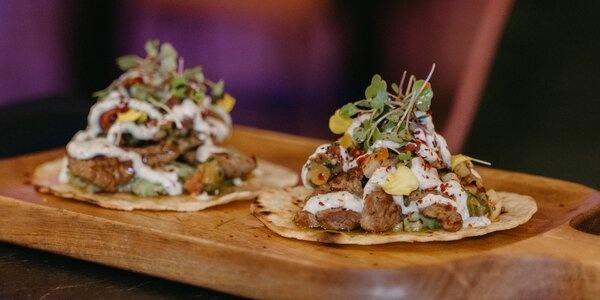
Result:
[283,58]
[291,63]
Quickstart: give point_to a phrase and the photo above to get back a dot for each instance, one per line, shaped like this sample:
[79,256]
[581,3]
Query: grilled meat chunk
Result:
[156,155]
[338,219]
[105,172]
[235,165]
[446,214]
[306,219]
[380,212]
[349,181]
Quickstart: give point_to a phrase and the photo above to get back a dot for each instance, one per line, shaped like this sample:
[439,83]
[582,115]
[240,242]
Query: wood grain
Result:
[227,249]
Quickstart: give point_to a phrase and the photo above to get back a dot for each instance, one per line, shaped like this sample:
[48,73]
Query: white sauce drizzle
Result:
[207,149]
[432,146]
[377,179]
[426,175]
[341,199]
[87,144]
[89,149]
[443,148]
[385,144]
[357,122]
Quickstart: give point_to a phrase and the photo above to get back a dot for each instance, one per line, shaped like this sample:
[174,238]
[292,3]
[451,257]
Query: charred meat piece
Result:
[380,212]
[349,181]
[306,219]
[338,219]
[235,165]
[446,214]
[188,143]
[156,155]
[105,172]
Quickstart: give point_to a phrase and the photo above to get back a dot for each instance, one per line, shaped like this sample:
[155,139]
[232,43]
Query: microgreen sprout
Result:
[388,114]
[160,77]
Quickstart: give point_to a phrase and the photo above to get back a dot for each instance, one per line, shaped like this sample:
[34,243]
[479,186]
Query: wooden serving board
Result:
[227,249]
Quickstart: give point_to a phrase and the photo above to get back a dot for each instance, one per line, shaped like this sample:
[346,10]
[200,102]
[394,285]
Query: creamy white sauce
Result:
[443,149]
[207,149]
[334,200]
[453,194]
[427,149]
[377,179]
[432,146]
[138,131]
[89,149]
[111,101]
[385,144]
[145,107]
[357,122]
[454,189]
[220,128]
[426,175]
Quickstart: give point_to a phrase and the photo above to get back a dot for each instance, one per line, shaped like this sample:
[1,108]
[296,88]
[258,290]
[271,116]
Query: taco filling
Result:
[155,131]
[391,171]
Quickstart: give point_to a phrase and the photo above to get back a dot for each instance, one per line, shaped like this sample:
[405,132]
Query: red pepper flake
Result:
[335,150]
[321,203]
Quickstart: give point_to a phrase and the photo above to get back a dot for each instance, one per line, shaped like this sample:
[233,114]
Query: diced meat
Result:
[156,155]
[338,219]
[235,165]
[105,172]
[380,212]
[306,219]
[188,143]
[446,214]
[346,181]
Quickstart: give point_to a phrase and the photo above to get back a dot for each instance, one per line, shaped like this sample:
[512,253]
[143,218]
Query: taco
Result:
[389,178]
[152,142]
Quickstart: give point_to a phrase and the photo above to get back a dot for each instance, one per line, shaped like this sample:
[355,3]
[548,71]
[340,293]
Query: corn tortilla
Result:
[276,209]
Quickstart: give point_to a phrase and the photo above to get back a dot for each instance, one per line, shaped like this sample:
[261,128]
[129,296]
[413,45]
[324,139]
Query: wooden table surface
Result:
[228,250]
